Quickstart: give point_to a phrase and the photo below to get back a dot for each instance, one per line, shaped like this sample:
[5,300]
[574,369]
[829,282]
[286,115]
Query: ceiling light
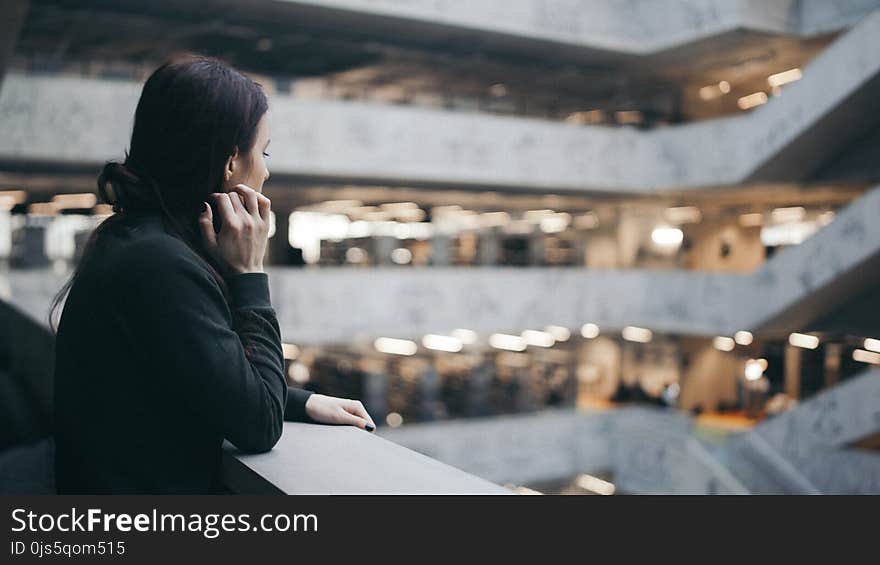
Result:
[752,100]
[636,334]
[442,343]
[507,342]
[395,346]
[590,331]
[743,337]
[804,341]
[784,77]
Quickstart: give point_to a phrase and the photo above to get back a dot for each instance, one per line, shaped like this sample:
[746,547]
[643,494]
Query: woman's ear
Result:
[232,166]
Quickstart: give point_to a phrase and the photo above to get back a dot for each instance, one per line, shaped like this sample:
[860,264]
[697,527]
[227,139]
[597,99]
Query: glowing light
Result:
[585,117]
[628,117]
[507,342]
[395,346]
[83,200]
[743,337]
[442,343]
[401,256]
[825,218]
[298,372]
[10,198]
[755,369]
[784,77]
[790,214]
[355,255]
[394,420]
[636,334]
[494,219]
[787,234]
[555,223]
[271,224]
[752,100]
[595,484]
[559,333]
[290,350]
[713,91]
[863,356]
[498,90]
[525,490]
[804,341]
[722,343]
[872,345]
[535,216]
[538,339]
[590,331]
[667,237]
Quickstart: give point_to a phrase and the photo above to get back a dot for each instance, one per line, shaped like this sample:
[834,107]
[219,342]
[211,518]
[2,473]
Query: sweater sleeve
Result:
[296,405]
[177,311]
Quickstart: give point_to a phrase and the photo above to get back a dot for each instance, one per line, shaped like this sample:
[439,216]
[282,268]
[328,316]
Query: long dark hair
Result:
[194,112]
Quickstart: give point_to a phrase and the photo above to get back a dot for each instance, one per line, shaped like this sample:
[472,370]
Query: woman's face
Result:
[250,168]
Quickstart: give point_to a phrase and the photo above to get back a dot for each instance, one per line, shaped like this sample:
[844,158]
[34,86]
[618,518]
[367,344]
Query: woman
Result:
[168,343]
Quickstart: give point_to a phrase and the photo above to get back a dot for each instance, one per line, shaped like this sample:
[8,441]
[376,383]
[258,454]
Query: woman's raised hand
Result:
[244,229]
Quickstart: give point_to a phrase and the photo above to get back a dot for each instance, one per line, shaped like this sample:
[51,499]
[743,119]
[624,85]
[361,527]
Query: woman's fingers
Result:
[353,420]
[356,408]
[225,208]
[237,205]
[264,205]
[249,196]
[206,223]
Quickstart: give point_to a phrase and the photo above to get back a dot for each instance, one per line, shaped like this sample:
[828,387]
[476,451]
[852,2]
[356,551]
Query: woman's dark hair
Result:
[194,112]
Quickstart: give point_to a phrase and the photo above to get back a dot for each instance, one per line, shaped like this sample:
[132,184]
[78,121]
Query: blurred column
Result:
[489,247]
[29,244]
[536,248]
[5,236]
[429,394]
[383,245]
[279,246]
[792,371]
[833,353]
[580,249]
[376,395]
[440,245]
[478,383]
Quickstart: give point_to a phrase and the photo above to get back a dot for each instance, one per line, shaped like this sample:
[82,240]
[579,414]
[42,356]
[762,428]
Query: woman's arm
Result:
[179,317]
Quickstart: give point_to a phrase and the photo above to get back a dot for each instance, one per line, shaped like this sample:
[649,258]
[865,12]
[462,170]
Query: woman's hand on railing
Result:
[244,229]
[333,410]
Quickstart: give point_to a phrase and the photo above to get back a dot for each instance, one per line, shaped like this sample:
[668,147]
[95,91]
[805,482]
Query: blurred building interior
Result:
[579,247]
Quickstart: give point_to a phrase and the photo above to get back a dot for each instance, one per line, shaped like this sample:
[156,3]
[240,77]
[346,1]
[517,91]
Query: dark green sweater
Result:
[151,374]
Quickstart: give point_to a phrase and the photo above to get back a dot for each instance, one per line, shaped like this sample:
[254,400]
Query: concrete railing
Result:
[336,305]
[804,451]
[321,459]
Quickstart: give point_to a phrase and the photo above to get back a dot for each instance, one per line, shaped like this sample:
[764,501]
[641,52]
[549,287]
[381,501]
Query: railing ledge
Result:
[326,459]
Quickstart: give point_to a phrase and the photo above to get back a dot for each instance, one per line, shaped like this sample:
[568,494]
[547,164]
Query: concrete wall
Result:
[633,27]
[77,121]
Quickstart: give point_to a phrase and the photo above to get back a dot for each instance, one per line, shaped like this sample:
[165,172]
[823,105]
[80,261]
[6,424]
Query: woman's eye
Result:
[265,154]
